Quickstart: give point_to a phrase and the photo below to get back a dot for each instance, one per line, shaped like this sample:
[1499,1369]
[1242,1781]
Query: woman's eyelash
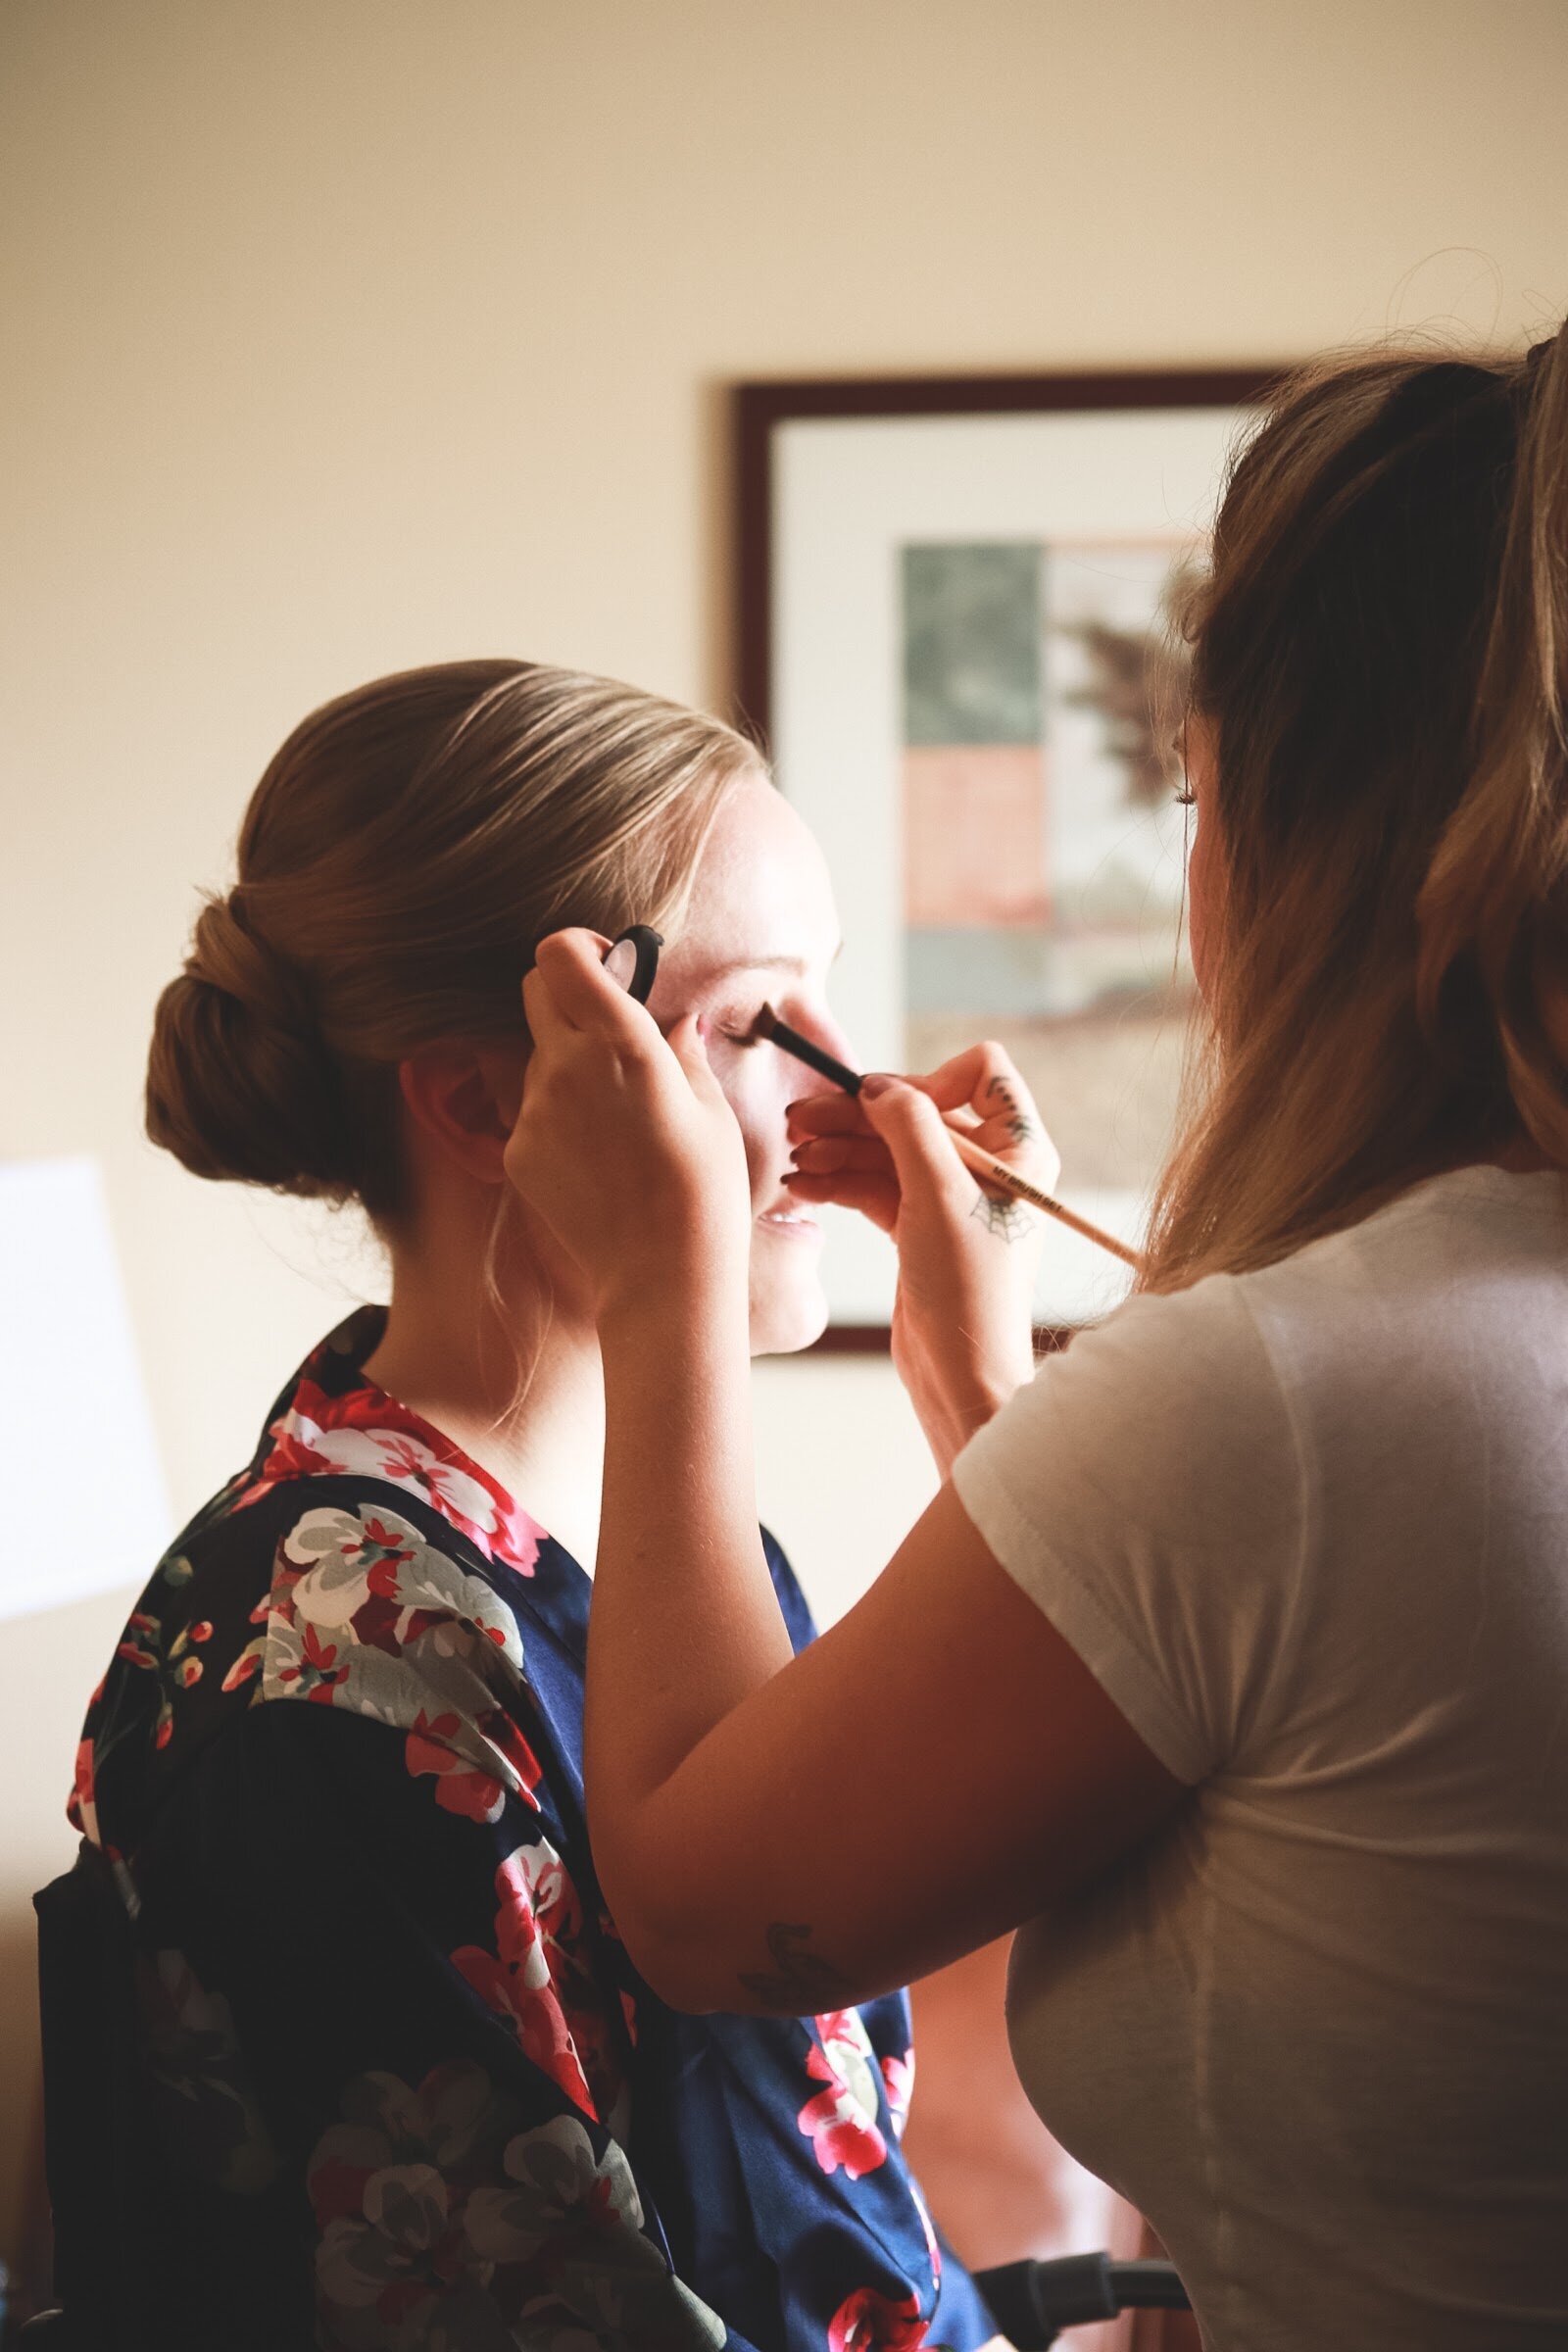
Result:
[741,1037]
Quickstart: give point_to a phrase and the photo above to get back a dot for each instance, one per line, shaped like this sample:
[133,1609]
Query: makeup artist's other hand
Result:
[961,1326]
[624,1144]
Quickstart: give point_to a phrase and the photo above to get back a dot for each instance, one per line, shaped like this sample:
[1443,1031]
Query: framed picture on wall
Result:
[955,637]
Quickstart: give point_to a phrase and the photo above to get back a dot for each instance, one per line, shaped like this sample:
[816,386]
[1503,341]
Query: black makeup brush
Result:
[984,1164]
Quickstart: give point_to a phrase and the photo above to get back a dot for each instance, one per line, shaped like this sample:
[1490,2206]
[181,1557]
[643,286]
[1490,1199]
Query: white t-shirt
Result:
[1308,1528]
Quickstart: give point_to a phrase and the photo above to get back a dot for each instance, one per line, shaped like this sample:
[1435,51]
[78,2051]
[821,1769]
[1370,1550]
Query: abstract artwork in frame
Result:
[957,609]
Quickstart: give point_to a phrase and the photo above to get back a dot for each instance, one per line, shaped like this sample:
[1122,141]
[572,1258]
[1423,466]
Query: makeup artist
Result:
[1230,1662]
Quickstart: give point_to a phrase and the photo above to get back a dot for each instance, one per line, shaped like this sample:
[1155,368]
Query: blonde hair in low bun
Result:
[399,860]
[239,1082]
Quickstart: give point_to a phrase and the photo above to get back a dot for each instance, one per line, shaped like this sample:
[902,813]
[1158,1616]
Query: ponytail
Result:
[1380,651]
[1496,899]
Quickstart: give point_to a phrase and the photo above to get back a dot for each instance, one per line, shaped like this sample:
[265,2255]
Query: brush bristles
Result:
[790,1041]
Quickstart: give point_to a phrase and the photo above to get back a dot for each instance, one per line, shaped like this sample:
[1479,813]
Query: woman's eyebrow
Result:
[798,965]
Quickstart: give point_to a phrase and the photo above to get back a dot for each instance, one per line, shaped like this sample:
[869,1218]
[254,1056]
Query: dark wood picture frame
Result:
[759,409]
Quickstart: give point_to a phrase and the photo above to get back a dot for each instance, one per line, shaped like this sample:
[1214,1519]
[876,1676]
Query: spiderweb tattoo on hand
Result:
[1008,1220]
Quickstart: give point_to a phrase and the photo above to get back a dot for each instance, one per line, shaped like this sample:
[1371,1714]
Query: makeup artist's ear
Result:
[462,1098]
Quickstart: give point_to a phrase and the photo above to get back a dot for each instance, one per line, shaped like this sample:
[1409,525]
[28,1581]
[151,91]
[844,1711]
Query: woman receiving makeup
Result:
[1230,1662]
[391,2079]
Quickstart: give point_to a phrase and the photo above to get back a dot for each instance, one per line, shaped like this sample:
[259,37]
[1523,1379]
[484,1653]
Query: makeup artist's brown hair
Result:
[1381,652]
[399,860]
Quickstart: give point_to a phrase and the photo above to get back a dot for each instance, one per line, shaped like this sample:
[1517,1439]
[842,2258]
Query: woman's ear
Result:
[465,1099]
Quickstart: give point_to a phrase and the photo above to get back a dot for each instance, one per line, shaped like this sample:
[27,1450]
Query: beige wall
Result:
[343,334]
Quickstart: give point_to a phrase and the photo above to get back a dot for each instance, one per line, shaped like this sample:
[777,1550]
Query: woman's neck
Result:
[450,1355]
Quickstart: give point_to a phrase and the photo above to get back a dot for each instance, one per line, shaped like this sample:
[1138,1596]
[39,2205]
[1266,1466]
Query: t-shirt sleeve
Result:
[1145,1492]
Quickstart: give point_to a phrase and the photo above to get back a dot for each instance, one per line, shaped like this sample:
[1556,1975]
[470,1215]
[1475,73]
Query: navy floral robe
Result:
[409,2089]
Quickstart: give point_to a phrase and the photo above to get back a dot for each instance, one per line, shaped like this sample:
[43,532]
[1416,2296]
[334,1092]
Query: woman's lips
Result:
[790,1223]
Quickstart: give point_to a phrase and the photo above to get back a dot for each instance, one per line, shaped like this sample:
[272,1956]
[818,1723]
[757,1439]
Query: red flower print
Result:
[291,1457]
[532,1889]
[462,1786]
[931,2246]
[142,1637]
[181,1670]
[871,2322]
[842,2119]
[177,1669]
[395,1552]
[82,1811]
[372,1436]
[316,1670]
[897,2080]
[503,1734]
[383,1623]
[247,1664]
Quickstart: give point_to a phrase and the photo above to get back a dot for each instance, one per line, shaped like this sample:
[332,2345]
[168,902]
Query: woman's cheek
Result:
[761,1154]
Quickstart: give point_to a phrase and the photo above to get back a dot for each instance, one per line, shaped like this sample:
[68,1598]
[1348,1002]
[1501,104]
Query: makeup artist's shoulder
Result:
[1479,1208]
[1200,1347]
[1175,1399]
[1331,1270]
[1323,1290]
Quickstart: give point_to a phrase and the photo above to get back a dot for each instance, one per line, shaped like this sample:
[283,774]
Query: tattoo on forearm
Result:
[1008,1220]
[1020,1126]
[802,1982]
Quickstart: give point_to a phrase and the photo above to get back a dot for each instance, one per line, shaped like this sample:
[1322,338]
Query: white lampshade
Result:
[74,1428]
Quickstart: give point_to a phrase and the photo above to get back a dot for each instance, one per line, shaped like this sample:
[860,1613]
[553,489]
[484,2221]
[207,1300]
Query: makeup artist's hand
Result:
[961,1330]
[624,1144]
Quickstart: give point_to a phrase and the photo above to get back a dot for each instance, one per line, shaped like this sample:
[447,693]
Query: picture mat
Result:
[849,493]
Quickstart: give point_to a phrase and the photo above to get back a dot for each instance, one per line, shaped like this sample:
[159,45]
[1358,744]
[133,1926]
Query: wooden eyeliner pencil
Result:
[984,1164]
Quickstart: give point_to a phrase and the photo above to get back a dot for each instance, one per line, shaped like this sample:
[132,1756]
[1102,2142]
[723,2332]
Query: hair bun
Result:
[241,1083]
[228,954]
[403,847]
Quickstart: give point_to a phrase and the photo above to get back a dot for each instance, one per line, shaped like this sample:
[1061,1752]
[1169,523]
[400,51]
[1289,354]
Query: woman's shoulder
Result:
[333,1590]
[1199,1350]
[1245,1385]
[1464,1218]
[1373,1308]
[331,1421]
[1169,1415]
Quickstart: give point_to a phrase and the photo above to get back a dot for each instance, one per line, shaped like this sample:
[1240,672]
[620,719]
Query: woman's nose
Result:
[801,1080]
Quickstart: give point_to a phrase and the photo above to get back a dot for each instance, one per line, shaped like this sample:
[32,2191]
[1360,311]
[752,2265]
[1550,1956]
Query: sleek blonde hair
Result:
[398,862]
[1381,650]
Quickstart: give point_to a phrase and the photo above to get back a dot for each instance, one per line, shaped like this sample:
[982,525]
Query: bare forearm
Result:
[685,1623]
[953,1399]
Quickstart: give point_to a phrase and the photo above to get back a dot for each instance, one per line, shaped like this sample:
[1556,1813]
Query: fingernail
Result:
[701,1027]
[877,1082]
